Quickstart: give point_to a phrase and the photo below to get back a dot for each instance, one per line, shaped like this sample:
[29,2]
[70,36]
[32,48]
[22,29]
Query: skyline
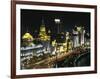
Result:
[54,46]
[31,20]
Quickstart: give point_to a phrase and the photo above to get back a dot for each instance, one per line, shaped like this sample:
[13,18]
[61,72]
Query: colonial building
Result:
[42,34]
[81,32]
[27,39]
[75,37]
[78,36]
[44,37]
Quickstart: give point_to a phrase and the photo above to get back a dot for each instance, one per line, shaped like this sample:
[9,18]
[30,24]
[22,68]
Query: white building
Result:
[28,52]
[78,36]
[75,38]
[82,37]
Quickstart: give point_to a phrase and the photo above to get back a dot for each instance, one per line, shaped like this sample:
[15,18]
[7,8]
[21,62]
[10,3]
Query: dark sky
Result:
[31,20]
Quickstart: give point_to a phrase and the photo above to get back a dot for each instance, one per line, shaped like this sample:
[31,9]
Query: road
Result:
[49,62]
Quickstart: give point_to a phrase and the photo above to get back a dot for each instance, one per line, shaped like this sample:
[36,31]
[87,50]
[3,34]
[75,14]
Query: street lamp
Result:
[57,21]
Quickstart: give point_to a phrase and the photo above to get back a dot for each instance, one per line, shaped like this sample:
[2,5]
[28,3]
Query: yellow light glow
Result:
[54,43]
[27,36]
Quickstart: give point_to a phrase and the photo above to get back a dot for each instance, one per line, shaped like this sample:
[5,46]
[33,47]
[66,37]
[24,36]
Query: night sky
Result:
[31,20]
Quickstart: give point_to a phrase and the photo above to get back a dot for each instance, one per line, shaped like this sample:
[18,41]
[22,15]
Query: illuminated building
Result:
[27,53]
[69,44]
[57,21]
[45,39]
[42,34]
[82,36]
[27,39]
[75,37]
[78,36]
[87,40]
[81,33]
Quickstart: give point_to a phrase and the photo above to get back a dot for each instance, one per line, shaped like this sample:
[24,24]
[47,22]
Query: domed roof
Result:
[27,36]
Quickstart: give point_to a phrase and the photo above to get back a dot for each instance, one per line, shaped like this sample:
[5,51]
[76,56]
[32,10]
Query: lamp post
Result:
[57,21]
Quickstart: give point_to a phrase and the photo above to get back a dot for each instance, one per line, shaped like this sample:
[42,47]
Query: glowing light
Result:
[27,36]
[57,20]
[78,28]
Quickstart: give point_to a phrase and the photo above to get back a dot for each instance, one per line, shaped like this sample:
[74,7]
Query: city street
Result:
[51,61]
